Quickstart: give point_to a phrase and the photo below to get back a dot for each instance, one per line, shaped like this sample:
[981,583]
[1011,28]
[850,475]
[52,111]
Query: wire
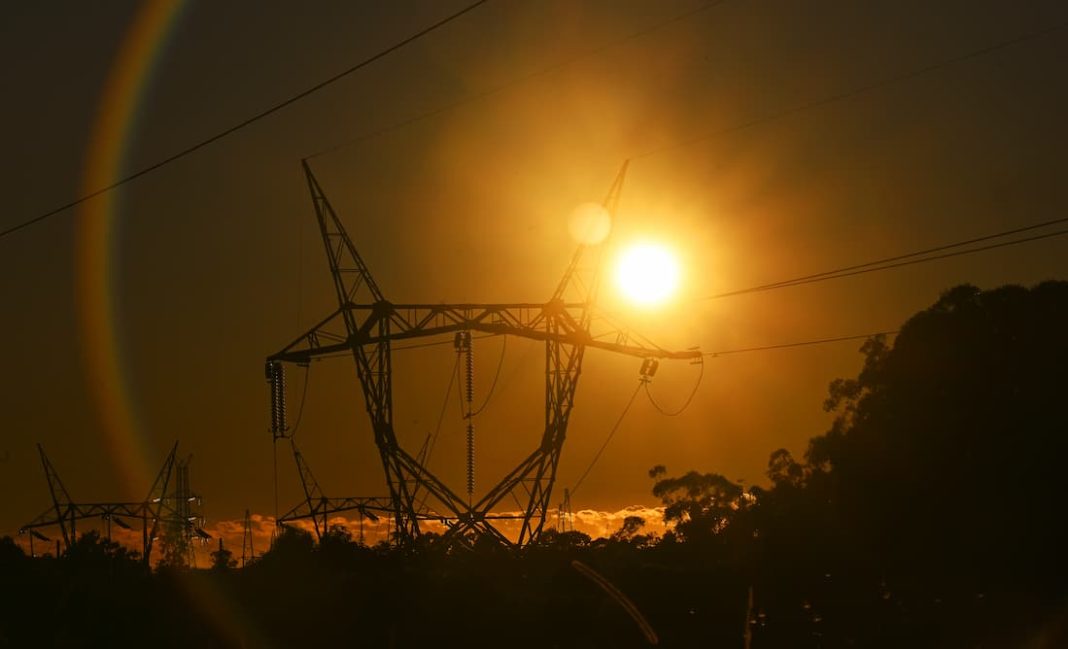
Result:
[918,253]
[608,439]
[303,397]
[803,343]
[432,440]
[496,375]
[459,392]
[737,127]
[517,81]
[863,268]
[689,399]
[859,90]
[246,122]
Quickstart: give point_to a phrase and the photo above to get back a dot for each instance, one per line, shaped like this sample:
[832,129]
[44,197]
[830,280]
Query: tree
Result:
[701,505]
[628,531]
[946,456]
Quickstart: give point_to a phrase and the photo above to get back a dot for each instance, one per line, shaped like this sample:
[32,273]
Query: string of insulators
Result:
[463,345]
[648,369]
[276,377]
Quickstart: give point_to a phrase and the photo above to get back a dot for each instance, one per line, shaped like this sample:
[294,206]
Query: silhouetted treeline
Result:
[931,514]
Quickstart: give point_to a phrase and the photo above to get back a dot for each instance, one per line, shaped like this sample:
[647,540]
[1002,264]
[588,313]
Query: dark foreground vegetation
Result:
[932,514]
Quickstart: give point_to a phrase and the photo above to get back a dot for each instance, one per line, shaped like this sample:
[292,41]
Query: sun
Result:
[647,273]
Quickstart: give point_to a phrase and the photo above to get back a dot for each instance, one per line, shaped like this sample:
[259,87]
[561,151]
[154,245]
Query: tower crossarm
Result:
[81,511]
[366,505]
[410,321]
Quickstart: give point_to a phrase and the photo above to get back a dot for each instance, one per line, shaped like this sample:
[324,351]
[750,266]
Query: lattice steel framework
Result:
[365,324]
[167,503]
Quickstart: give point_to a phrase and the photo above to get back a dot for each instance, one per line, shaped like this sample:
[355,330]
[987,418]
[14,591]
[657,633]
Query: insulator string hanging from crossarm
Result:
[469,367]
[464,348]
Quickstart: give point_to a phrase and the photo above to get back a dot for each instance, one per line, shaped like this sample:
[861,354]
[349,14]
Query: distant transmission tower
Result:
[183,529]
[564,518]
[168,505]
[365,324]
[247,551]
[318,508]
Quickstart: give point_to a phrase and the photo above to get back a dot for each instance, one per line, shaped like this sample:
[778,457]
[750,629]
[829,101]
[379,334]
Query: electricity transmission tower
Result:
[183,524]
[248,552]
[366,324]
[317,507]
[168,505]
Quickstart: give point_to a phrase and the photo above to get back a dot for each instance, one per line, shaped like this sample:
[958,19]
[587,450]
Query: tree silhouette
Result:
[939,485]
[701,505]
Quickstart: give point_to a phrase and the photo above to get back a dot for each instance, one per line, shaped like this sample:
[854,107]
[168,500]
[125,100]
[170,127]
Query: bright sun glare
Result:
[647,273]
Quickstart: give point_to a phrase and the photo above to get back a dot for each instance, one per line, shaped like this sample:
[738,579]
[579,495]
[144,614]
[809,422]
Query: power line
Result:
[303,398]
[861,269]
[859,90]
[918,253]
[240,125]
[804,343]
[431,440]
[496,377]
[685,404]
[517,81]
[737,127]
[608,439]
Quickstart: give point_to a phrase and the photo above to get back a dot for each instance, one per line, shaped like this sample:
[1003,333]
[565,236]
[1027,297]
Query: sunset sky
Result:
[144,315]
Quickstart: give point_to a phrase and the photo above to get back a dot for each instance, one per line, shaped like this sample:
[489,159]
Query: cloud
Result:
[595,523]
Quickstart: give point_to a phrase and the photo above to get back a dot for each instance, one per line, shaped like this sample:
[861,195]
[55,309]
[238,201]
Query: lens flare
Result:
[647,273]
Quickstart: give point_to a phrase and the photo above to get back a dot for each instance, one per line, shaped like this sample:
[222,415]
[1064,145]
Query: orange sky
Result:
[216,264]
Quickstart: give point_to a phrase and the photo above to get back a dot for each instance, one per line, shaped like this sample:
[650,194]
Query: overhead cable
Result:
[496,377]
[611,434]
[246,122]
[859,90]
[685,404]
[870,267]
[431,440]
[516,81]
[803,343]
[303,398]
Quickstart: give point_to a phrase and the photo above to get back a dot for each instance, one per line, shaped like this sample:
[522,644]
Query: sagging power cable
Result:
[431,440]
[517,81]
[608,439]
[803,343]
[496,377]
[908,75]
[303,398]
[689,399]
[875,266]
[246,122]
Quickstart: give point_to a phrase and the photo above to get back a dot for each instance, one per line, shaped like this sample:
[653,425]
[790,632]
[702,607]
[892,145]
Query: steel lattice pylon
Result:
[167,505]
[365,324]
